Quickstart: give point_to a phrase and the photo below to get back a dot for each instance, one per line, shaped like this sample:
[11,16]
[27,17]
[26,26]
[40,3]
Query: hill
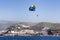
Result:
[39,26]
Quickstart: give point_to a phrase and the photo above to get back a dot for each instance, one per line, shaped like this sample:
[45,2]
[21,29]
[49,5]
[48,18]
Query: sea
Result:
[29,37]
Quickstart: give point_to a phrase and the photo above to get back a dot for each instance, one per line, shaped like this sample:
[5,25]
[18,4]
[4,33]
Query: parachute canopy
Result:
[32,8]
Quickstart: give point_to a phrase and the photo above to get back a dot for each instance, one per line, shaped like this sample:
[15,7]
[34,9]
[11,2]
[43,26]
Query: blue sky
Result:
[18,10]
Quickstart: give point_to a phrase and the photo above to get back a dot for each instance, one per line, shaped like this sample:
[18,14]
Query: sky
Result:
[18,10]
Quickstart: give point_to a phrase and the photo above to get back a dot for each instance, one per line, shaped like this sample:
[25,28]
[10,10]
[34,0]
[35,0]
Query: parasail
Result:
[32,8]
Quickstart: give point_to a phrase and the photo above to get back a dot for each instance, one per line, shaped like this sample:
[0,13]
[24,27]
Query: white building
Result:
[44,31]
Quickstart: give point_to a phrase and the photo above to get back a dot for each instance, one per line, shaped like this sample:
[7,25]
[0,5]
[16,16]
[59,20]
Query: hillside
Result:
[26,28]
[53,26]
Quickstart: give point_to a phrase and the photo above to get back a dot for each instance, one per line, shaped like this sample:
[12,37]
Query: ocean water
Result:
[30,38]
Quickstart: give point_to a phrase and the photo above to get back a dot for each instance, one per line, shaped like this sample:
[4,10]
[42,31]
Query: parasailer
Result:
[32,8]
[37,15]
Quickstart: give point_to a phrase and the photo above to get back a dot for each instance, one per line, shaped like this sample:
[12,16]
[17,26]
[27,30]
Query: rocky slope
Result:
[29,26]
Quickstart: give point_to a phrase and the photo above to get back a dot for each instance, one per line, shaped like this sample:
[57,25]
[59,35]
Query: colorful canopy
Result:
[32,8]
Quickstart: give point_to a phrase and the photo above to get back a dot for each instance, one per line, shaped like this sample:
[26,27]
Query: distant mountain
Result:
[5,24]
[34,26]
[28,23]
[39,26]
